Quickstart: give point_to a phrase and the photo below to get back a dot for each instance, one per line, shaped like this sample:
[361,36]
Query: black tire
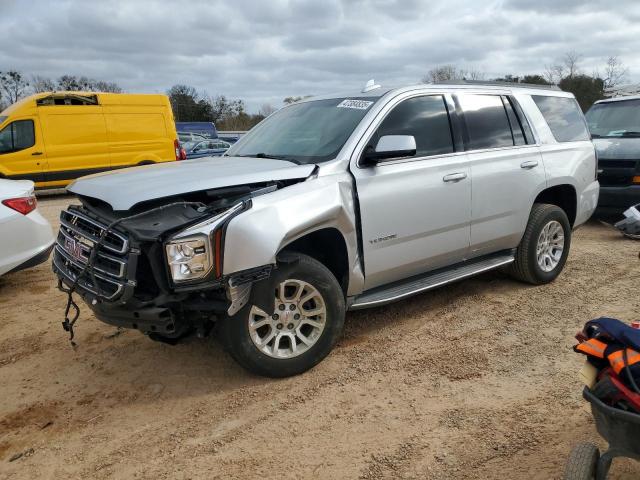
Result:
[234,331]
[525,267]
[582,463]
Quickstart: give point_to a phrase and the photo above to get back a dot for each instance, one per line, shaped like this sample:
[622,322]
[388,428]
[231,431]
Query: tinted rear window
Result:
[486,120]
[564,117]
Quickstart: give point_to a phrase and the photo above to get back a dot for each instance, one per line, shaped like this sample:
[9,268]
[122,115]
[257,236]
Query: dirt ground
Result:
[473,381]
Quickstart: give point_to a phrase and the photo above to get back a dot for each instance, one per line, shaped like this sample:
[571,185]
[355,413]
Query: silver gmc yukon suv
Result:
[331,204]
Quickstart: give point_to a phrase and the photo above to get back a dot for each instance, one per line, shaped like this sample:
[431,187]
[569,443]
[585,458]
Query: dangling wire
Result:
[69,322]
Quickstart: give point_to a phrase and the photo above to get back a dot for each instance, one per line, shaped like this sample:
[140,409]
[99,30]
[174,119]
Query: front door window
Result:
[17,136]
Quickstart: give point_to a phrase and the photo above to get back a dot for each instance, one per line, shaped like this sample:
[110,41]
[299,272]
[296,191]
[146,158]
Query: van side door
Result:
[137,134]
[76,140]
[414,211]
[507,170]
[22,153]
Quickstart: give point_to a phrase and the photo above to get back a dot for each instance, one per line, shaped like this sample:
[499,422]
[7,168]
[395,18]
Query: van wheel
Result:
[544,247]
[302,329]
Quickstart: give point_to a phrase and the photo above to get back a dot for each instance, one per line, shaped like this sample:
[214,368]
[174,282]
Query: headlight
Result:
[193,253]
[189,258]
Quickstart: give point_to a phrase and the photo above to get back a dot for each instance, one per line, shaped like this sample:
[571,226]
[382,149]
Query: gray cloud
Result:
[263,51]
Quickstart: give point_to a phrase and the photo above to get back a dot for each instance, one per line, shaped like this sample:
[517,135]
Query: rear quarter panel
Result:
[569,163]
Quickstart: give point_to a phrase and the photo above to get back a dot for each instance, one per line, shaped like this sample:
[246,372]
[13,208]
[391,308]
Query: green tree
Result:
[535,80]
[586,89]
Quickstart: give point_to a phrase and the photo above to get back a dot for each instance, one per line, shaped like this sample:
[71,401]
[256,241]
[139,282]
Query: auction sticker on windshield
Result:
[357,104]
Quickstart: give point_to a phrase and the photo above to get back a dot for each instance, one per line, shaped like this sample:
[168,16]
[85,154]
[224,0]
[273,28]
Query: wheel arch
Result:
[329,247]
[563,196]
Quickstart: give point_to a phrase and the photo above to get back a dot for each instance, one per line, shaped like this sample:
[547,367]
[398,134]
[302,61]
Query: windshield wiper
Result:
[631,134]
[269,156]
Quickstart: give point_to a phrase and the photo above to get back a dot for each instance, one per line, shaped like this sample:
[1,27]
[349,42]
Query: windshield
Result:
[615,119]
[308,132]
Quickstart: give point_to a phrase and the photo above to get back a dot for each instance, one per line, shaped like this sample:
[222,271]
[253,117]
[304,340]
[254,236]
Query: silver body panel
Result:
[123,189]
[255,237]
[415,215]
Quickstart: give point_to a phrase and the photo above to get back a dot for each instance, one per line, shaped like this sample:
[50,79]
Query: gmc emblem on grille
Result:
[76,249]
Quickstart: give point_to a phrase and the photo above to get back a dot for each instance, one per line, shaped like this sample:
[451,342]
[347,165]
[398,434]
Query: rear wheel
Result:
[544,247]
[303,327]
[582,463]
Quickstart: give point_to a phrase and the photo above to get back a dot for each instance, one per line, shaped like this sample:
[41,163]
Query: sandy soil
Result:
[473,381]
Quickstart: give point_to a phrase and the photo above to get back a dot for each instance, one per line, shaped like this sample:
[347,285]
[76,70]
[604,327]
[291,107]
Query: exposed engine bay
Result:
[117,260]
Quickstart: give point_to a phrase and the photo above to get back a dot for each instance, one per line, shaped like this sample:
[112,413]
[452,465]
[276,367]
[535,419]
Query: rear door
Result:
[507,170]
[414,211]
[22,153]
[137,133]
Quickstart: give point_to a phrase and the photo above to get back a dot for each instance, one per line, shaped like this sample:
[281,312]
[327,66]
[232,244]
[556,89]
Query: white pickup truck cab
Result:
[333,203]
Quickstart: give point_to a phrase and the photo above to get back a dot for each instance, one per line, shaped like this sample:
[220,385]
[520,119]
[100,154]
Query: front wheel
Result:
[544,247]
[302,329]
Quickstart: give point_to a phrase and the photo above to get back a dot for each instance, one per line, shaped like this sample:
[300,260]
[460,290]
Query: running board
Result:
[406,288]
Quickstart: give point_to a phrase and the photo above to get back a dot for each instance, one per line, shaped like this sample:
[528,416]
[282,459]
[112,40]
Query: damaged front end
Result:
[157,268]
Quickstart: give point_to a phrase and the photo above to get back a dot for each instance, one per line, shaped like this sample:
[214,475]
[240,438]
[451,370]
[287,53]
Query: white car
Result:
[26,238]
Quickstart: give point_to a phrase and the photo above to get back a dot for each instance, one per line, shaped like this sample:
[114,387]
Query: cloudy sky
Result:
[264,50]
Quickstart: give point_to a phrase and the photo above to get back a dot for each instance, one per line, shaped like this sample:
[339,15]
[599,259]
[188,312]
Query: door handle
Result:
[529,164]
[36,153]
[454,177]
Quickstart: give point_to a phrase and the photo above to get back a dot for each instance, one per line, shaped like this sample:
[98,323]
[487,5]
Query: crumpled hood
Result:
[618,148]
[122,189]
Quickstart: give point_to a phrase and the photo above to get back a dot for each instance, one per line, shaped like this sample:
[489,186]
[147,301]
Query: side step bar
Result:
[406,288]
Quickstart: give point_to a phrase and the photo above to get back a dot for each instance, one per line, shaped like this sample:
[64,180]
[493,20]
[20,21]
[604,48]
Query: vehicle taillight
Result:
[179,150]
[183,154]
[23,205]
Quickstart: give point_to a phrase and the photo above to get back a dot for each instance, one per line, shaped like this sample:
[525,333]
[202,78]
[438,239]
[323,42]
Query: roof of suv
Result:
[378,92]
[618,99]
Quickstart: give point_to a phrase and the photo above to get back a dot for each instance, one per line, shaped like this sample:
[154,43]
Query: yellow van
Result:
[53,138]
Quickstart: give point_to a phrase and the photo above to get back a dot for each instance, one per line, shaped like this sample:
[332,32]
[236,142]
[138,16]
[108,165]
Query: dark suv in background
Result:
[615,128]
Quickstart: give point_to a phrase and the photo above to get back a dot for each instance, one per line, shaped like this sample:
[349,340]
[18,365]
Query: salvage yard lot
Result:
[475,380]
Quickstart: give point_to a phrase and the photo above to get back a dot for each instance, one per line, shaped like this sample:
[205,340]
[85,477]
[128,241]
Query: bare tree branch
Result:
[615,72]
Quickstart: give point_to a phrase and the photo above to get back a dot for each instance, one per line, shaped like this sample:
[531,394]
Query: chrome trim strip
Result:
[73,213]
[122,263]
[470,273]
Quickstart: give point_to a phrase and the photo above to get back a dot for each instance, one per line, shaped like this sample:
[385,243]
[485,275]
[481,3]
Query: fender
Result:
[255,237]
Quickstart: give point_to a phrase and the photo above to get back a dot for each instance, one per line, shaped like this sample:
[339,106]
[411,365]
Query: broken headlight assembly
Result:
[189,258]
[195,254]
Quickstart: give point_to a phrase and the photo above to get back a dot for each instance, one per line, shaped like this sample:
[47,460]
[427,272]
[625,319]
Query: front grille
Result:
[112,269]
[91,229]
[617,173]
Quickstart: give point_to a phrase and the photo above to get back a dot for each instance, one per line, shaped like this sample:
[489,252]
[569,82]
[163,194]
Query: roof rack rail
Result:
[498,84]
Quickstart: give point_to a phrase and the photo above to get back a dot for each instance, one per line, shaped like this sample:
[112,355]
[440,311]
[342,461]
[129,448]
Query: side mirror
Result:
[391,146]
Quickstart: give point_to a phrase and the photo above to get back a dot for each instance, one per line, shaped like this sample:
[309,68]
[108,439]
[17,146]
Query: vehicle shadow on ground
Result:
[197,366]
